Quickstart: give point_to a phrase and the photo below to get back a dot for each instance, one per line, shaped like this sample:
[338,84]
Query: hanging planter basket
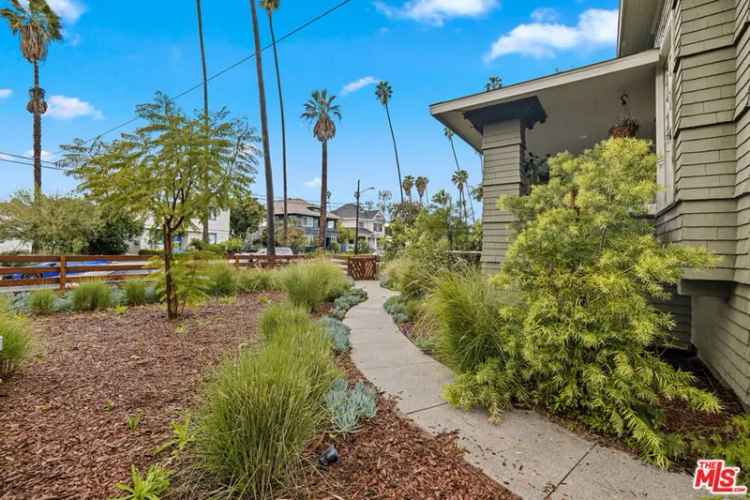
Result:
[623,131]
[626,125]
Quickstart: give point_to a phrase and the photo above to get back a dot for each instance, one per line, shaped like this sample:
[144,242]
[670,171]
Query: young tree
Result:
[270,220]
[384,92]
[246,217]
[271,6]
[321,111]
[157,172]
[37,25]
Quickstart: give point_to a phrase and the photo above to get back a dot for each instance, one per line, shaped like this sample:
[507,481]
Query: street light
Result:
[358,195]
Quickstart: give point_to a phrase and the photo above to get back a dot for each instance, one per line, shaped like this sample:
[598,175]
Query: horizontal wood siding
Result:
[503,149]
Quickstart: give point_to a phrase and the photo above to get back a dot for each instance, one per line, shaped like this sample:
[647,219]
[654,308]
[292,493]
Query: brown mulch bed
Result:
[64,419]
[390,457]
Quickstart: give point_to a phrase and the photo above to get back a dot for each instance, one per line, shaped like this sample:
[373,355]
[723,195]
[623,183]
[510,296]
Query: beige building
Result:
[683,67]
[371,224]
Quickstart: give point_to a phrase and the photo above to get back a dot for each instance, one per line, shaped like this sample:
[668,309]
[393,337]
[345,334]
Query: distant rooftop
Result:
[349,211]
[298,206]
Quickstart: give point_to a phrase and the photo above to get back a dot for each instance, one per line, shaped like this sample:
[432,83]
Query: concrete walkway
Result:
[527,453]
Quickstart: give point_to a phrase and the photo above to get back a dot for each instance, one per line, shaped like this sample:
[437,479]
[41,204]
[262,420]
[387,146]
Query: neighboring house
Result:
[685,67]
[14,246]
[371,223]
[218,232]
[306,217]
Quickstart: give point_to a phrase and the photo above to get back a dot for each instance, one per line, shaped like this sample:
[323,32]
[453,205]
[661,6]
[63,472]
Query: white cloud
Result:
[67,108]
[46,155]
[436,12]
[314,183]
[68,10]
[596,27]
[358,84]
[5,93]
[545,15]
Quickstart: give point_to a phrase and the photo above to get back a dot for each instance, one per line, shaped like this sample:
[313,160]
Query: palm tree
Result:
[205,93]
[460,179]
[321,110]
[407,184]
[271,6]
[441,198]
[421,184]
[37,25]
[493,83]
[384,92]
[271,247]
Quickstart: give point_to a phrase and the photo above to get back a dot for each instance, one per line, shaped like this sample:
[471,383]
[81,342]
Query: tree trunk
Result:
[455,156]
[170,291]
[205,100]
[323,196]
[271,240]
[37,142]
[395,151]
[283,127]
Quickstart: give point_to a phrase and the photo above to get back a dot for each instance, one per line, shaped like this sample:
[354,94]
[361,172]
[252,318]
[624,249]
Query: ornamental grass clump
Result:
[136,292]
[42,302]
[16,340]
[255,280]
[94,296]
[222,279]
[313,283]
[284,318]
[579,336]
[260,411]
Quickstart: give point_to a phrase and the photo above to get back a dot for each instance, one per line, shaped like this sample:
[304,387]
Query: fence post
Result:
[63,262]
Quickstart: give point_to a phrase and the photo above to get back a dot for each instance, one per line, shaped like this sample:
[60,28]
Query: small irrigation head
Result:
[329,457]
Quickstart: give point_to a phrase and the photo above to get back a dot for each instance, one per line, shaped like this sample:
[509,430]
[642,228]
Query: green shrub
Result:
[284,319]
[338,332]
[261,409]
[731,442]
[136,292]
[348,407]
[313,283]
[92,296]
[151,487]
[222,279]
[17,341]
[396,307]
[42,302]
[255,280]
[345,302]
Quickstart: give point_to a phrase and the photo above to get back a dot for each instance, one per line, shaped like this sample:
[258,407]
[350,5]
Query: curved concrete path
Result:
[530,455]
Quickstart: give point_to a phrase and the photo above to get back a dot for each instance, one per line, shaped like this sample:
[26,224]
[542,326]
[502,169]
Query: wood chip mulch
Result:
[64,420]
[391,458]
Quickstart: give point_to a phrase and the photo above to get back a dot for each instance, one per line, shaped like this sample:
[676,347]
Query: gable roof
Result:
[349,211]
[298,206]
[637,25]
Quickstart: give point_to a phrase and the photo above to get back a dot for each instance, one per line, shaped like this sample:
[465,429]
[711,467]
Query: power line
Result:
[22,157]
[27,164]
[296,30]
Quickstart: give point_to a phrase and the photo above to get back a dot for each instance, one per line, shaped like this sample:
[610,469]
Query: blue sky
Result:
[115,57]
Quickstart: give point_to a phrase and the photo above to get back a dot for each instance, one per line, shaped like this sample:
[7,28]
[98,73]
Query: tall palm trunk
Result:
[455,156]
[323,196]
[395,151]
[205,99]
[271,239]
[283,125]
[37,140]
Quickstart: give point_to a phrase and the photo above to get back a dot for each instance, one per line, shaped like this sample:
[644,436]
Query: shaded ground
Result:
[390,457]
[64,420]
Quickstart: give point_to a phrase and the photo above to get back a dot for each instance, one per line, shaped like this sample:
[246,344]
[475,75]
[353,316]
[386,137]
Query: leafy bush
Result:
[151,487]
[348,407]
[136,292]
[584,268]
[313,283]
[261,409]
[222,279]
[42,302]
[92,296]
[17,341]
[338,332]
[730,442]
[255,280]
[284,319]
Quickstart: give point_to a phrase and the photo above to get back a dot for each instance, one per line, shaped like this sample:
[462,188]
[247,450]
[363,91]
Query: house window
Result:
[212,238]
[378,228]
[665,118]
[331,224]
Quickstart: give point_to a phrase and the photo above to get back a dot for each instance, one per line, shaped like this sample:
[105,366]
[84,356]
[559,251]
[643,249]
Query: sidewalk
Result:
[526,453]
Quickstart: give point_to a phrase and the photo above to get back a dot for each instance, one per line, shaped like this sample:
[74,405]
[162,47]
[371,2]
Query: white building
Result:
[371,224]
[219,231]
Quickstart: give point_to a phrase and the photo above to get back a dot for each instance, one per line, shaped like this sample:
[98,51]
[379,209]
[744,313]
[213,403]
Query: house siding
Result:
[712,175]
[503,148]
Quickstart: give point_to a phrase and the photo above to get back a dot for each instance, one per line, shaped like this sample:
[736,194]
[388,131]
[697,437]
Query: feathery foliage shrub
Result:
[579,336]
[93,296]
[348,406]
[255,280]
[311,284]
[284,319]
[17,341]
[262,408]
[42,302]
[222,279]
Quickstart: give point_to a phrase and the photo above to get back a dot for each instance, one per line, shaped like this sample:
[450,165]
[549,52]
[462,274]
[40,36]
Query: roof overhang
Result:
[637,26]
[533,100]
